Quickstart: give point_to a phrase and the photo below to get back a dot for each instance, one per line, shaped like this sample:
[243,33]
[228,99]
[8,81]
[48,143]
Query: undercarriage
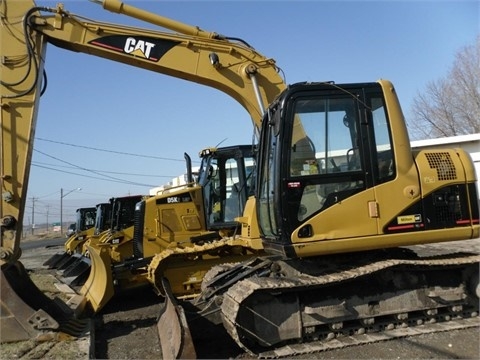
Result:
[276,308]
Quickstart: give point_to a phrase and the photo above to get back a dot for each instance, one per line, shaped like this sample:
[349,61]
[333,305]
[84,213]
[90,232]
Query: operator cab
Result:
[226,176]
[321,144]
[85,219]
[103,217]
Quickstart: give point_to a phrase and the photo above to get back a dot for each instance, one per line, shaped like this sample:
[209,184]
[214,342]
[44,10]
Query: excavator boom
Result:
[21,81]
[209,59]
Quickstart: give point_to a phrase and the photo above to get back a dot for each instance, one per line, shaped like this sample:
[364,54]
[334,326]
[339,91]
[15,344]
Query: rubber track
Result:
[245,288]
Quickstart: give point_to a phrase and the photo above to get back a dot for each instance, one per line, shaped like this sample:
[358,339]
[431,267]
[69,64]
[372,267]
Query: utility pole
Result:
[48,208]
[62,195]
[61,211]
[33,214]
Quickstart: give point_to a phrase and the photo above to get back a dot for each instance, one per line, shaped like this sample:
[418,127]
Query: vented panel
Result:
[442,162]
[447,208]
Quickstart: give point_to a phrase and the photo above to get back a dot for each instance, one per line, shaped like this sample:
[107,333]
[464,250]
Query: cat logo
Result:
[142,47]
[139,48]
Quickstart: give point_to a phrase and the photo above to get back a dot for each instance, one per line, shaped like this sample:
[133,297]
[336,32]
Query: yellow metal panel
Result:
[21,72]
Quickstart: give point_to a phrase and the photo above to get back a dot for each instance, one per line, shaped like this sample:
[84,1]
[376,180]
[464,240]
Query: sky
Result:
[107,129]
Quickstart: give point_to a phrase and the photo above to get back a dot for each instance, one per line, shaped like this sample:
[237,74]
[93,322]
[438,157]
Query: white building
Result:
[174,183]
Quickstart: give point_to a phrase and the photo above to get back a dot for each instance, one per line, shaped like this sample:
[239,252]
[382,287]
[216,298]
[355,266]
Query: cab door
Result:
[336,149]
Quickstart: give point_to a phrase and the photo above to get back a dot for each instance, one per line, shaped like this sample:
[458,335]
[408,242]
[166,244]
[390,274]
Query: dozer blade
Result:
[77,273]
[77,267]
[173,331]
[79,276]
[98,289]
[27,313]
[65,262]
[56,259]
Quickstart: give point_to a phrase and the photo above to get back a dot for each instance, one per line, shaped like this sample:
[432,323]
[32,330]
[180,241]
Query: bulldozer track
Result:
[220,248]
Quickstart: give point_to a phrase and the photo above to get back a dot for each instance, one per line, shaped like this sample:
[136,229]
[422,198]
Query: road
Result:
[42,243]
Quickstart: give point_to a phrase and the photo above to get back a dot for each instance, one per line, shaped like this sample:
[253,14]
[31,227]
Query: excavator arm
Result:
[21,74]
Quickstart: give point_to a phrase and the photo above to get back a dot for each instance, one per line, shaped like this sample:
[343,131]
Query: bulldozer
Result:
[85,226]
[338,195]
[180,223]
[202,210]
[76,269]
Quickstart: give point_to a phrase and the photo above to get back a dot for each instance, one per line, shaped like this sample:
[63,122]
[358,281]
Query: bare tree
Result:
[450,106]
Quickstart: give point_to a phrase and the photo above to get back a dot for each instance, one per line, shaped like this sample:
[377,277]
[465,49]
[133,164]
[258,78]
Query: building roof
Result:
[446,140]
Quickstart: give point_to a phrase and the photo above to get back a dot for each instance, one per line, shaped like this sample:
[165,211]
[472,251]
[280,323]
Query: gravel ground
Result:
[126,329]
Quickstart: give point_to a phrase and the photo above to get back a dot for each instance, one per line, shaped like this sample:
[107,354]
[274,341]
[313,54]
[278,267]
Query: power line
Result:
[109,151]
[104,171]
[111,178]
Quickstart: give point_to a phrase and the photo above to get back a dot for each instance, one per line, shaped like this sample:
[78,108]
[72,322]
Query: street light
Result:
[62,195]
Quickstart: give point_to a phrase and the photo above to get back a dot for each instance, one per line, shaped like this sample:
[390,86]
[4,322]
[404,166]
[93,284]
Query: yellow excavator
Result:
[339,193]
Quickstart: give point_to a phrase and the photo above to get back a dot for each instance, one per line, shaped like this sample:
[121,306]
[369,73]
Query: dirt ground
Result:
[127,333]
[126,329]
